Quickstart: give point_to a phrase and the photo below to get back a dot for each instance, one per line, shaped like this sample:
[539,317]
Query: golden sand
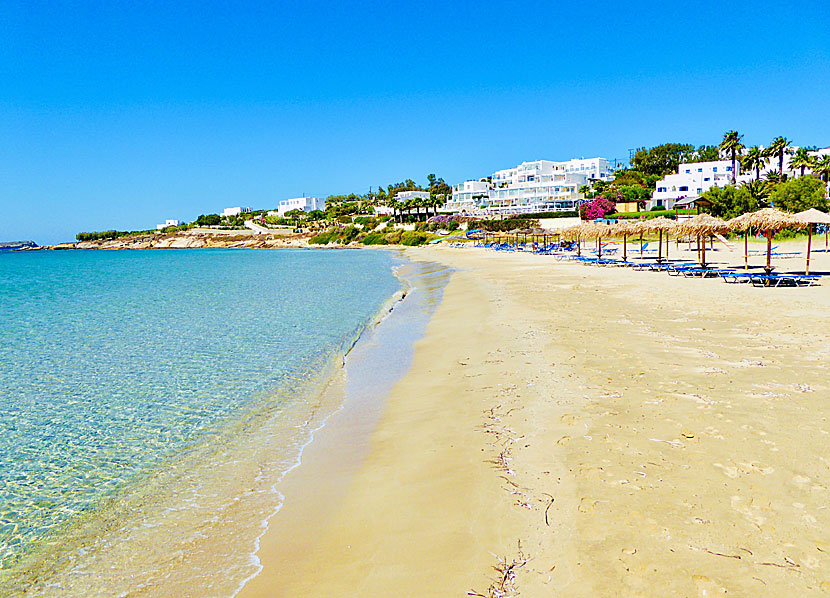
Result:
[603,432]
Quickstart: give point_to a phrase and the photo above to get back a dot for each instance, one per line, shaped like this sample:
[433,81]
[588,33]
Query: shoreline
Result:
[596,439]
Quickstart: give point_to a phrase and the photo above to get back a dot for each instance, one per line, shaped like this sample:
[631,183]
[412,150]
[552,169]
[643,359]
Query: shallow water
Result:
[142,390]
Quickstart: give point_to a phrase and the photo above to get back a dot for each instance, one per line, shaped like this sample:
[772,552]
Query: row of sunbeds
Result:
[686,269]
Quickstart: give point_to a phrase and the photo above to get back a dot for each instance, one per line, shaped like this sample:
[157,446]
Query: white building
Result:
[539,186]
[168,223]
[231,212]
[407,195]
[306,204]
[690,181]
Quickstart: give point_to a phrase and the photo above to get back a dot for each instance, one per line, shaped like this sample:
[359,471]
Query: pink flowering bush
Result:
[599,208]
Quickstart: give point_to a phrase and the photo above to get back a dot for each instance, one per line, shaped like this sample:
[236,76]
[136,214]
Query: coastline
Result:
[596,439]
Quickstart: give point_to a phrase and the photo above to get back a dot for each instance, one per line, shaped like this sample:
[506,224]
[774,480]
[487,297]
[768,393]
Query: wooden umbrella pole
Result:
[703,254]
[809,243]
[746,249]
[599,247]
[625,248]
[641,245]
[660,246]
[667,246]
[769,253]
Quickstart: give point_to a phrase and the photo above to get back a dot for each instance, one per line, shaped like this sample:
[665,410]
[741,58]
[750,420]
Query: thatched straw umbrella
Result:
[661,225]
[811,217]
[623,229]
[703,225]
[770,221]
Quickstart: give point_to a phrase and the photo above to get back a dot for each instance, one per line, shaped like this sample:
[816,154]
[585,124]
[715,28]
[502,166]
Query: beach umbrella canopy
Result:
[703,225]
[767,219]
[811,217]
[770,221]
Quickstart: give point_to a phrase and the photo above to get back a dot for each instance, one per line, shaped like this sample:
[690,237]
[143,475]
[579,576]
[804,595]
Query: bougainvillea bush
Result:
[599,208]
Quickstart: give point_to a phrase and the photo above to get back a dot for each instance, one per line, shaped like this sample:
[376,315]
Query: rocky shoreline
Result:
[192,240]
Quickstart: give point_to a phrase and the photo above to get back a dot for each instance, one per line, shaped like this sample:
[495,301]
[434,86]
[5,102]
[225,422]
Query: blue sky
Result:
[120,115]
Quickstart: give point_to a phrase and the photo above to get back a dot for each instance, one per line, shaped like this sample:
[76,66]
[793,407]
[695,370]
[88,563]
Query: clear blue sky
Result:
[119,115]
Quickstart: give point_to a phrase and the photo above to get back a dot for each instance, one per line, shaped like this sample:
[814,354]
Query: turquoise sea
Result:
[149,400]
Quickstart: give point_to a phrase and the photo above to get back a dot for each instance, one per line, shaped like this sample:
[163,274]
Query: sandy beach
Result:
[580,431]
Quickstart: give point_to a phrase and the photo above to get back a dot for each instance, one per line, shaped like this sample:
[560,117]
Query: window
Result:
[688,171]
[728,169]
[659,203]
[684,188]
[700,170]
[715,169]
[700,190]
[706,178]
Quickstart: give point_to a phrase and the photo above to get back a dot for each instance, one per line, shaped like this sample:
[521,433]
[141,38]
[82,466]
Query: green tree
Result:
[801,159]
[732,145]
[778,148]
[730,201]
[704,153]
[800,194]
[754,159]
[208,220]
[661,159]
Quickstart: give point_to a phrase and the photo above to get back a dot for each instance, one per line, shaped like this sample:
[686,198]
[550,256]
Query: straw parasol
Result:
[661,225]
[811,217]
[703,225]
[770,221]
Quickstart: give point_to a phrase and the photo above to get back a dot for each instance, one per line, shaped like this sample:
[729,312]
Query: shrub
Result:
[374,239]
[411,238]
[451,226]
[394,237]
[599,208]
[323,238]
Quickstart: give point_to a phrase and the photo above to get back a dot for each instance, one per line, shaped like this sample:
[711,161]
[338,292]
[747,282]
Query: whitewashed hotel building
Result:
[539,186]
[690,181]
[306,204]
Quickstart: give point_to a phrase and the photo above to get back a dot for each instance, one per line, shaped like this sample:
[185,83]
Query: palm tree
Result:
[773,177]
[802,159]
[778,147]
[822,168]
[754,159]
[732,145]
[758,190]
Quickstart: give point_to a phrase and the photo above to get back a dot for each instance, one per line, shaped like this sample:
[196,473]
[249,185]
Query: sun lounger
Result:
[736,277]
[784,280]
[704,272]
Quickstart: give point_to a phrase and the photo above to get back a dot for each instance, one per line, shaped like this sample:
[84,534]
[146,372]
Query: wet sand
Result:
[605,432]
